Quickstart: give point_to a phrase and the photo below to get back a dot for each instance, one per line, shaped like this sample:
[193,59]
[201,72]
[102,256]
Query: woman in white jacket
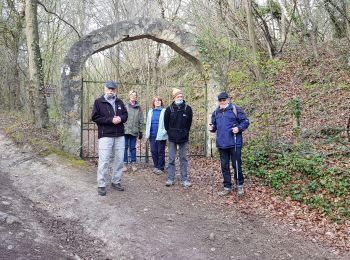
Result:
[157,134]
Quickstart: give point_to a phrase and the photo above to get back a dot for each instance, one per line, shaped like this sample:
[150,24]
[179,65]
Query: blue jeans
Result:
[110,147]
[233,154]
[158,152]
[130,141]
[183,160]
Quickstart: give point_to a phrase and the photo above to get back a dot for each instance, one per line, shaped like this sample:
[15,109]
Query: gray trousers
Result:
[183,160]
[110,147]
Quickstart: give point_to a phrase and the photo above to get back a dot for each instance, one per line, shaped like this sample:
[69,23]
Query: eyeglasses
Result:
[222,99]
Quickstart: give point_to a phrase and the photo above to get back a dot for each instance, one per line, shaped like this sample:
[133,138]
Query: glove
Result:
[140,135]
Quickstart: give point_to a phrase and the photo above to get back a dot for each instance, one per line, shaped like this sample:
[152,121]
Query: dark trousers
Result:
[158,152]
[233,154]
[130,141]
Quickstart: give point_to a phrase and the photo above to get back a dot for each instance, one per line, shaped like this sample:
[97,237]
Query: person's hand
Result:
[140,135]
[211,127]
[235,130]
[116,120]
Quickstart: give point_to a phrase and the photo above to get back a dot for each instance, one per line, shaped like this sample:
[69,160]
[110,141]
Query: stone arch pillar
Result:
[151,28]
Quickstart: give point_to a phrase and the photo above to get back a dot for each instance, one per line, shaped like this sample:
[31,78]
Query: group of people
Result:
[119,126]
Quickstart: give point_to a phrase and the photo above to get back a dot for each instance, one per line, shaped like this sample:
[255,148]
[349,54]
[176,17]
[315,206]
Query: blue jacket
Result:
[102,115]
[223,121]
[161,134]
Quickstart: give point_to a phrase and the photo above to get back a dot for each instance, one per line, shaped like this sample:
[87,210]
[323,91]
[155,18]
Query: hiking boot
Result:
[187,184]
[117,186]
[240,190]
[154,170]
[169,183]
[101,191]
[225,192]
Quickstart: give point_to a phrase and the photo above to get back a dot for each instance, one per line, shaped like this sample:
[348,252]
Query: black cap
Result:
[223,95]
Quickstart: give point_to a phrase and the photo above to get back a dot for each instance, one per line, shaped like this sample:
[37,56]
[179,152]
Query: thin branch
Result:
[287,29]
[338,9]
[60,18]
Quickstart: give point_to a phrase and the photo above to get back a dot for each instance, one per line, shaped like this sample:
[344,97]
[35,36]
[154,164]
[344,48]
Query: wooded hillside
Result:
[286,62]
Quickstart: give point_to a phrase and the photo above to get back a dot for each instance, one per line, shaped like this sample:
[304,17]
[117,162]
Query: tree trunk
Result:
[38,104]
[117,75]
[308,19]
[347,11]
[284,20]
[252,38]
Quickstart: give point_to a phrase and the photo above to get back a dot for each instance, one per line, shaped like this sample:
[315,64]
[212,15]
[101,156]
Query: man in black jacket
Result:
[110,114]
[177,123]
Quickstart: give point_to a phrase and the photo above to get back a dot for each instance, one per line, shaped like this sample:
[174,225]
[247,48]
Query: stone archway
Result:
[151,28]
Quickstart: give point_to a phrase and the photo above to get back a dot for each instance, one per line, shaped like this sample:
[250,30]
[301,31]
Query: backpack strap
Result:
[234,110]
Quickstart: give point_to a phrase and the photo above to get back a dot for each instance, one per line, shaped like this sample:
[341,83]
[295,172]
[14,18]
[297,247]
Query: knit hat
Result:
[111,84]
[176,92]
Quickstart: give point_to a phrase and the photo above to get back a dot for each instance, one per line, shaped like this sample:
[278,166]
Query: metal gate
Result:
[92,89]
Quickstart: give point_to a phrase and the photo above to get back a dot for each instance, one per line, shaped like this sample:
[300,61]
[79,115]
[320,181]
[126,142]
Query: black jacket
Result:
[102,115]
[177,122]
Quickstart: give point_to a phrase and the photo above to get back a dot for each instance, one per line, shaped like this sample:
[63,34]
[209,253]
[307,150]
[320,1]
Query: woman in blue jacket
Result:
[157,134]
[229,121]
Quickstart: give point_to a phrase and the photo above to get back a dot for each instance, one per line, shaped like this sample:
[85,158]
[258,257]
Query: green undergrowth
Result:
[304,177]
[42,144]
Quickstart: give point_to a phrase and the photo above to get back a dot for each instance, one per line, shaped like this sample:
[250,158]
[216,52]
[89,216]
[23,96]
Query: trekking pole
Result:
[236,164]
[212,176]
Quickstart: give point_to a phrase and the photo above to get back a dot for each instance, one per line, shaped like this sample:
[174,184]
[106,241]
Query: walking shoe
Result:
[117,186]
[154,170]
[186,184]
[101,191]
[133,167]
[169,183]
[225,192]
[125,168]
[240,190]
[158,172]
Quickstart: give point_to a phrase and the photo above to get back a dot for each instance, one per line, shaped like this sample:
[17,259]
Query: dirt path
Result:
[59,214]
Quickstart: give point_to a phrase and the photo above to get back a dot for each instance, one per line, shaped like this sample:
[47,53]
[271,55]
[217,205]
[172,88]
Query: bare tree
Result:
[347,12]
[252,37]
[12,38]
[38,104]
[310,26]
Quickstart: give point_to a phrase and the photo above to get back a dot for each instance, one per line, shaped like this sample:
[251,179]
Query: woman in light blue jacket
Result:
[157,134]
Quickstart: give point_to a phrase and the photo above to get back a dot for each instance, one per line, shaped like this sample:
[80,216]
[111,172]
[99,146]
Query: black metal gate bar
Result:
[88,149]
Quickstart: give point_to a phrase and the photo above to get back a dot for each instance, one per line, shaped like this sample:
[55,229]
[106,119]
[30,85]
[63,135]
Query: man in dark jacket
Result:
[229,122]
[177,123]
[110,114]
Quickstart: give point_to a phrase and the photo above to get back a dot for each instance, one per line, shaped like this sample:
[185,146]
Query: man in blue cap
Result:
[110,114]
[229,122]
